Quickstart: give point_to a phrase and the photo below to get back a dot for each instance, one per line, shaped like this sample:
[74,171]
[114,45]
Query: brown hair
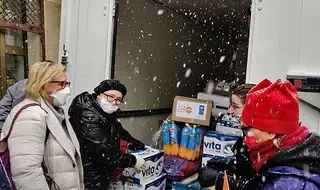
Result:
[242,90]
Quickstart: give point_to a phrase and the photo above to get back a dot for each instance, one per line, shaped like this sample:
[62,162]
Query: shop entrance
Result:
[21,39]
[13,57]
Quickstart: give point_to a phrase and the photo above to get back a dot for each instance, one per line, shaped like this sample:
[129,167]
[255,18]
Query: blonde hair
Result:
[40,75]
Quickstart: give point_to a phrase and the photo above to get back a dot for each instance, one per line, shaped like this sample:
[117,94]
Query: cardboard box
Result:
[218,146]
[227,130]
[154,159]
[229,125]
[157,184]
[220,103]
[190,110]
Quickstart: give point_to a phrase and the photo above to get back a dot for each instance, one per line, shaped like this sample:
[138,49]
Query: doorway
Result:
[21,39]
[13,57]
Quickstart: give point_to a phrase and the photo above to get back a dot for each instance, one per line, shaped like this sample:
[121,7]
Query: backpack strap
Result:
[5,139]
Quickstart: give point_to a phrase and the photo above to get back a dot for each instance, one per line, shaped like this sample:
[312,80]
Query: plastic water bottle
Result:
[184,141]
[192,145]
[199,142]
[179,136]
[166,138]
[174,139]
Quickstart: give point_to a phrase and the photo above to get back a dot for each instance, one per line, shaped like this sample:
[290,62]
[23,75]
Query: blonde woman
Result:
[44,150]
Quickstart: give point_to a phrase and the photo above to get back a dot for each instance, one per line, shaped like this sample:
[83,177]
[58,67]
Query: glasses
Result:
[111,98]
[63,84]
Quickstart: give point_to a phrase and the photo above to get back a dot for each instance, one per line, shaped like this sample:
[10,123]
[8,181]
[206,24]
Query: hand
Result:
[220,165]
[207,177]
[141,163]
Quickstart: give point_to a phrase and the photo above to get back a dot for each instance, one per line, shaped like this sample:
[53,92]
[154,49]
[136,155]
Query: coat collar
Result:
[58,132]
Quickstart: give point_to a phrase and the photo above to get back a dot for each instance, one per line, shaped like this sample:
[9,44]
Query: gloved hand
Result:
[141,163]
[219,165]
[207,177]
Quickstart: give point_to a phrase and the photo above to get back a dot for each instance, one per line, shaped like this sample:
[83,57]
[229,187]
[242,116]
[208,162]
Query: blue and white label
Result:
[153,170]
[154,159]
[218,145]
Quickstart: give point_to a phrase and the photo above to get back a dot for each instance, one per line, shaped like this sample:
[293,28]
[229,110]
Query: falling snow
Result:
[151,49]
[188,72]
[136,70]
[222,58]
[210,87]
[154,78]
[160,12]
[234,56]
[178,84]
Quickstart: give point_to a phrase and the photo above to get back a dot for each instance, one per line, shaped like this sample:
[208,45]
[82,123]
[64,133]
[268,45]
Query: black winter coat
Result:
[296,167]
[99,135]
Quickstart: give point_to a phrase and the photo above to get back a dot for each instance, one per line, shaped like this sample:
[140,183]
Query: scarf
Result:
[261,152]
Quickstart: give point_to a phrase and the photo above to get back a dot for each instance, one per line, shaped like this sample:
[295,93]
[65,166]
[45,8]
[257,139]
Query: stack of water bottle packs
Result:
[218,144]
[182,144]
[182,141]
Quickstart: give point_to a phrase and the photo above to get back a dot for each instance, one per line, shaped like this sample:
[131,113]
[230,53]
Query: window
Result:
[21,39]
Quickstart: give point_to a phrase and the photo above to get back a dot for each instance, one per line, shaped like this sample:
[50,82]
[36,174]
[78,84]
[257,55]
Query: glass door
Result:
[13,57]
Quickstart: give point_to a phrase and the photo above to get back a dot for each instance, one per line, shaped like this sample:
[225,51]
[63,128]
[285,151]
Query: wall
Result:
[88,39]
[88,34]
[89,60]
[143,128]
[284,37]
[154,52]
[52,13]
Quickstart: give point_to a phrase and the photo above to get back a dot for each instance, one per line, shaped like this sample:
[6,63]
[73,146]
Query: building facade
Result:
[29,32]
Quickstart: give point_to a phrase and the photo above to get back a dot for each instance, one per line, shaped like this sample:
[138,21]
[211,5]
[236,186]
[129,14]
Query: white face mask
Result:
[107,106]
[61,97]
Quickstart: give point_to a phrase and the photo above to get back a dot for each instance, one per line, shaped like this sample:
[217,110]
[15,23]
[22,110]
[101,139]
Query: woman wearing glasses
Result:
[94,121]
[44,150]
[212,174]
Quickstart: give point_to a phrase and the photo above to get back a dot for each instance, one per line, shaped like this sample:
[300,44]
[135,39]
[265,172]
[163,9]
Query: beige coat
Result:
[27,151]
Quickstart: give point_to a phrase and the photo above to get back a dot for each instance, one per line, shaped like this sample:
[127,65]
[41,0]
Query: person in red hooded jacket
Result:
[284,154]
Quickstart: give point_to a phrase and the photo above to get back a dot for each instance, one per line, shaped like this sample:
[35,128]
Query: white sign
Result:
[191,110]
